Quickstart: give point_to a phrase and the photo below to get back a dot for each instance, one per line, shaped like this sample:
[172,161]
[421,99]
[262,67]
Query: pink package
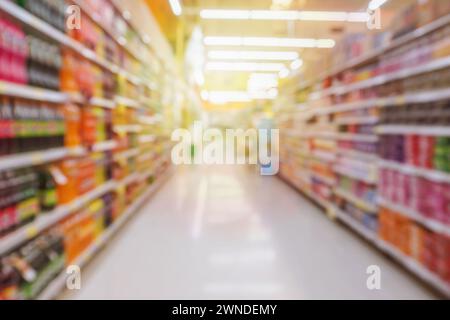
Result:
[415,184]
[446,191]
[436,202]
[401,190]
[382,184]
[396,186]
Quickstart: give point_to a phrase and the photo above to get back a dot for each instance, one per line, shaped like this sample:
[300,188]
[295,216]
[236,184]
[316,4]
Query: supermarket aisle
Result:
[212,233]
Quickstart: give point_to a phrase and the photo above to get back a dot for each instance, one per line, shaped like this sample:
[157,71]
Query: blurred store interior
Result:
[349,98]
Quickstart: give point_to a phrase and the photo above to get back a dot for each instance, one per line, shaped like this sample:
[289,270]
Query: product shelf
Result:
[364,156]
[128,128]
[414,267]
[103,146]
[319,201]
[132,27]
[431,224]
[353,224]
[146,138]
[51,32]
[58,284]
[32,93]
[324,155]
[429,174]
[385,78]
[327,180]
[128,180]
[357,120]
[319,135]
[419,97]
[369,179]
[373,55]
[124,155]
[101,102]
[409,263]
[37,158]
[360,203]
[94,17]
[46,220]
[438,131]
[149,101]
[127,102]
[357,137]
[314,112]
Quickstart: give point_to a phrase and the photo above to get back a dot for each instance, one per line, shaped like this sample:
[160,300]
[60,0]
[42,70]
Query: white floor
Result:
[228,233]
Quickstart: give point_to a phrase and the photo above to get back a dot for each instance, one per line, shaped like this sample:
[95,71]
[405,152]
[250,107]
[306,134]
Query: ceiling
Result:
[252,28]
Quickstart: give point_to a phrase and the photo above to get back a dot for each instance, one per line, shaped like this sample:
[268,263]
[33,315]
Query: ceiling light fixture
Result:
[253,55]
[262,81]
[146,39]
[297,64]
[288,15]
[244,66]
[204,95]
[222,97]
[175,5]
[126,15]
[269,42]
[376,4]
[284,73]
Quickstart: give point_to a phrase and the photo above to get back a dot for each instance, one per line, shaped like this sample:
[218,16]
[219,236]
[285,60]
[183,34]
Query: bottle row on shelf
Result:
[27,192]
[375,148]
[103,64]
[83,136]
[29,269]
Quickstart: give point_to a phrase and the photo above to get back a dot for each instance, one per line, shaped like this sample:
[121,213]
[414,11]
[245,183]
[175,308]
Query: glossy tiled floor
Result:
[226,232]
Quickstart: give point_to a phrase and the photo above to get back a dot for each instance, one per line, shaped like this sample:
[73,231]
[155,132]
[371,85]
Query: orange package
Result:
[68,71]
[416,241]
[72,117]
[67,192]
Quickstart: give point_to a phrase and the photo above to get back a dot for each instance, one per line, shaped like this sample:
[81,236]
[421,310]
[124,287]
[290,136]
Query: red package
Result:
[426,151]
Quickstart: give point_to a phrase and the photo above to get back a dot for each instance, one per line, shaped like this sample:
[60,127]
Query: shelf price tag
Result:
[37,158]
[331,212]
[400,100]
[31,232]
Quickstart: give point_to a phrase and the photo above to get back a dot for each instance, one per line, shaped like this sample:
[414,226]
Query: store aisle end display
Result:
[82,137]
[369,140]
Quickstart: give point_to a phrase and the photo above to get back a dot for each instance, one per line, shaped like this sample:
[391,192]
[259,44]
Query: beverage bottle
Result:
[26,196]
[47,191]
[6,126]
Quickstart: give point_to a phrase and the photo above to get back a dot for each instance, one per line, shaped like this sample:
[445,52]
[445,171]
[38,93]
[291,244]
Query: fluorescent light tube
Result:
[253,55]
[322,16]
[284,73]
[176,7]
[375,4]
[225,14]
[244,66]
[269,42]
[297,64]
[273,15]
[287,15]
[222,97]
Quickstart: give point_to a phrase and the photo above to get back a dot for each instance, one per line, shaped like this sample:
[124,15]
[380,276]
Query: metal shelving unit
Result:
[21,160]
[48,219]
[311,118]
[58,284]
[33,93]
[51,32]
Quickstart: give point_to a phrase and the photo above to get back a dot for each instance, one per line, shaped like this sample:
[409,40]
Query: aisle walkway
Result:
[225,232]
